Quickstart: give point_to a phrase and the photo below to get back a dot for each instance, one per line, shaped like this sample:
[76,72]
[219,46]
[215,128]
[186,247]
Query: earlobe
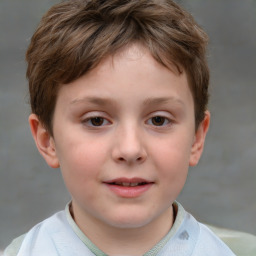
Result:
[44,141]
[198,144]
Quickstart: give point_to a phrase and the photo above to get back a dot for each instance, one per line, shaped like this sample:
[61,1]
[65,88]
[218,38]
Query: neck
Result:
[133,241]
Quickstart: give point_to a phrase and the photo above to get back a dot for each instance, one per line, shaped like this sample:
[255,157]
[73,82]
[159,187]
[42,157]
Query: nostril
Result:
[129,156]
[138,159]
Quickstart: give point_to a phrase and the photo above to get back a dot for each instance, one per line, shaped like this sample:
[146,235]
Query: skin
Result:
[130,117]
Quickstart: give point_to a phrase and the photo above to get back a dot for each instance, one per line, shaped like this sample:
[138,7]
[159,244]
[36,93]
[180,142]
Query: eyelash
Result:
[164,121]
[89,121]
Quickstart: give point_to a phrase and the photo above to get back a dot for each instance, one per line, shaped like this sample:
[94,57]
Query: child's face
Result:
[124,136]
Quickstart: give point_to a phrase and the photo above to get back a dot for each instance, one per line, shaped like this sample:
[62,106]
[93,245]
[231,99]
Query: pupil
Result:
[97,121]
[158,120]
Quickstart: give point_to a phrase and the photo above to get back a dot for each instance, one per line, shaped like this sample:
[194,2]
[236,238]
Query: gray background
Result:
[220,190]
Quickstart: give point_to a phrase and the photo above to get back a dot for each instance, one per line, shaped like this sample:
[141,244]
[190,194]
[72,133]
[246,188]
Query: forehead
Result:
[130,70]
[135,52]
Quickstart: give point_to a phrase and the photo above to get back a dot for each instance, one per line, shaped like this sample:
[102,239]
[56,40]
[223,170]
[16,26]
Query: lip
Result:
[128,191]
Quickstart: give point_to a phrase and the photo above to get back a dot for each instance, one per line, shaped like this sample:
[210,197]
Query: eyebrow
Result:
[162,100]
[93,100]
[107,101]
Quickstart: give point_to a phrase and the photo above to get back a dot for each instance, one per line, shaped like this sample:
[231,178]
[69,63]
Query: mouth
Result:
[128,184]
[129,188]
[125,182]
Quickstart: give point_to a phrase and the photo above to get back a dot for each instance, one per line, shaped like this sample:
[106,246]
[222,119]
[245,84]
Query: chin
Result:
[130,220]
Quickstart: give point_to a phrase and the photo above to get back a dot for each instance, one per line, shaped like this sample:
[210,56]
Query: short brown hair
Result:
[75,35]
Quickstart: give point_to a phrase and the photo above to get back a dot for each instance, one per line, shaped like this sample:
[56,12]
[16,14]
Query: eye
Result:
[158,121]
[96,121]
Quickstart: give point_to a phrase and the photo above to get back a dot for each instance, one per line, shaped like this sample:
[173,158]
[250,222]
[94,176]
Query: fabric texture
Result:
[59,235]
[242,244]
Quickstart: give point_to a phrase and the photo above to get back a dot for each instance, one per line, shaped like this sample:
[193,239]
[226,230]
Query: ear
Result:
[44,141]
[198,144]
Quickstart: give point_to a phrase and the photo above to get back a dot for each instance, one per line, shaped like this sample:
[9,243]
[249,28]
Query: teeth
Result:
[134,184]
[127,184]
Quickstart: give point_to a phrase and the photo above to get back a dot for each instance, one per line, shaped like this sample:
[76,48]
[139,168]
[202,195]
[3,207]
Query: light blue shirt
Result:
[60,236]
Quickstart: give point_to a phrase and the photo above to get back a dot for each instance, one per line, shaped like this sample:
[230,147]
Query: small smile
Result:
[129,188]
[129,184]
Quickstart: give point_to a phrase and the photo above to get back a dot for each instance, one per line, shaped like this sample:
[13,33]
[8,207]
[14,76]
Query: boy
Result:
[119,92]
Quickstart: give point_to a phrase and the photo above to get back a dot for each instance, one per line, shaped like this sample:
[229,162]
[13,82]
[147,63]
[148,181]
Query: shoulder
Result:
[14,247]
[230,241]
[48,225]
[242,244]
[208,243]
[53,236]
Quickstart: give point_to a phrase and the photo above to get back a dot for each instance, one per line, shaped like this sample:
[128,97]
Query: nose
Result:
[128,146]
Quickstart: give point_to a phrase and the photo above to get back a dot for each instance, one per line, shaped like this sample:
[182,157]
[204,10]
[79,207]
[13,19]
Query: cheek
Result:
[81,153]
[173,153]
[172,162]
[80,164]
[80,170]
[172,165]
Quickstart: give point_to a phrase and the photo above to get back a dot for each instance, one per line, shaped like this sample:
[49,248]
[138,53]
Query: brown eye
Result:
[158,120]
[97,121]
